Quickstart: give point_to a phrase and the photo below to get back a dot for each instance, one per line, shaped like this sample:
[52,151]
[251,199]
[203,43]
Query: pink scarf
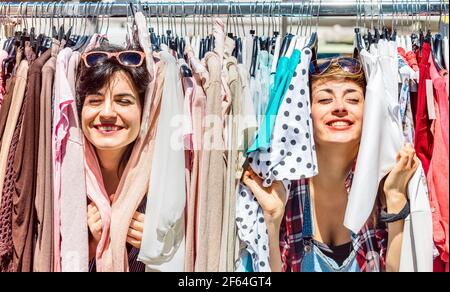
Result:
[96,193]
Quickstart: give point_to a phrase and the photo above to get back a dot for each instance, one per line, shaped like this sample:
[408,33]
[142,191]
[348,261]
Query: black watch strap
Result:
[389,218]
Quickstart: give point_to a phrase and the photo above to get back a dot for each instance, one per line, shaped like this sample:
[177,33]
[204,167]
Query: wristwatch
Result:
[389,218]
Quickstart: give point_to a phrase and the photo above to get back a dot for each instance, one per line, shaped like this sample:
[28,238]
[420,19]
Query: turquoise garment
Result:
[245,264]
[283,76]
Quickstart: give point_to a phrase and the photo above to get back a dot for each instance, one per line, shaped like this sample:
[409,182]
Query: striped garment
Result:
[134,265]
[372,242]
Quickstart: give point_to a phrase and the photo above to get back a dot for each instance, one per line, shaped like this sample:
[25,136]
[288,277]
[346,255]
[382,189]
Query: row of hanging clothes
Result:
[255,86]
[408,68]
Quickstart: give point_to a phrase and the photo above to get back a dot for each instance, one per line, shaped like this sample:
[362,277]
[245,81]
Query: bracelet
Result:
[389,218]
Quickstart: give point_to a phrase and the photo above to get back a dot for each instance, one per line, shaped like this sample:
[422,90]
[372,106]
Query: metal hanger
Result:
[255,48]
[359,44]
[313,41]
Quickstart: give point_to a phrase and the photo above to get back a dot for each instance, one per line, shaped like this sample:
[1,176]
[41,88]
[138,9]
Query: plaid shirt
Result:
[371,244]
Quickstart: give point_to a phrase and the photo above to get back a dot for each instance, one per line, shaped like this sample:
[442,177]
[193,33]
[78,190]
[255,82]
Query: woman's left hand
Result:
[396,182]
[136,230]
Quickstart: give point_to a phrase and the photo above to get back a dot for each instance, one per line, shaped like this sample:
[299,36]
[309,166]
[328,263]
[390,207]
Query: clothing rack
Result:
[258,8]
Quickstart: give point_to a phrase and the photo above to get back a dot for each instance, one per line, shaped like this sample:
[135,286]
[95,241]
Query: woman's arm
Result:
[272,201]
[273,230]
[395,203]
[395,190]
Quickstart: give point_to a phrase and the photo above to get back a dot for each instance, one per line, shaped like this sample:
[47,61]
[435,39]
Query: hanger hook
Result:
[290,17]
[184,18]
[358,13]
[212,17]
[299,18]
[101,17]
[108,13]
[394,13]
[203,18]
[269,18]
[251,17]
[242,20]
[194,22]
[256,18]
[318,14]
[310,16]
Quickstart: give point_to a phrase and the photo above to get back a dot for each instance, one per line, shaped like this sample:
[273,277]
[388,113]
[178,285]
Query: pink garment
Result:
[2,90]
[438,173]
[412,60]
[63,99]
[3,55]
[198,115]
[96,192]
[188,88]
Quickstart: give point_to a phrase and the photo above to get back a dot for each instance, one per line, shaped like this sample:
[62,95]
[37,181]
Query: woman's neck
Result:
[334,162]
[109,161]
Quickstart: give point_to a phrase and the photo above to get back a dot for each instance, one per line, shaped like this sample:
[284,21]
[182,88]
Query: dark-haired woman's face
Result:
[111,118]
[337,111]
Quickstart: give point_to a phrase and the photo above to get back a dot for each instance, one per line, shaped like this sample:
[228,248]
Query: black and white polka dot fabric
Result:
[291,156]
[252,229]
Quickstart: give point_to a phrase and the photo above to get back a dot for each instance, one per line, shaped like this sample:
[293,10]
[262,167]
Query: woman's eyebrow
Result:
[350,90]
[327,90]
[125,94]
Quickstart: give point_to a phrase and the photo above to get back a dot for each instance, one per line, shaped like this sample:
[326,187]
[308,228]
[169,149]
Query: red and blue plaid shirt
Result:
[371,245]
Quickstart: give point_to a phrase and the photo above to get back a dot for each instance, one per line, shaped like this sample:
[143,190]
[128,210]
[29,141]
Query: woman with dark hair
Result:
[306,225]
[111,85]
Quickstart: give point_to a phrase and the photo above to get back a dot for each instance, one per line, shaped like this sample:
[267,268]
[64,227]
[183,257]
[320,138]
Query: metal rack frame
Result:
[258,8]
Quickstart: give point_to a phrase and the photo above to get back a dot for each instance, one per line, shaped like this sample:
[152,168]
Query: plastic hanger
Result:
[437,46]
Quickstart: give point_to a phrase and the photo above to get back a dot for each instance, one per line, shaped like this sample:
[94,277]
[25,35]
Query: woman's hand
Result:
[396,183]
[136,229]
[272,199]
[94,221]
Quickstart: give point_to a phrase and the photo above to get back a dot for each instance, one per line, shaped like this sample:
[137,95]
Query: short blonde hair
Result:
[336,73]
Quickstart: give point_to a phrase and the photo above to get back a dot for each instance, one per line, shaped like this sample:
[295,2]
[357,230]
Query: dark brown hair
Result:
[91,80]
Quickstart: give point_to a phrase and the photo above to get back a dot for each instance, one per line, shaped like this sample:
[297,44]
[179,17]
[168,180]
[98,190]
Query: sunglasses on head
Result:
[320,66]
[125,58]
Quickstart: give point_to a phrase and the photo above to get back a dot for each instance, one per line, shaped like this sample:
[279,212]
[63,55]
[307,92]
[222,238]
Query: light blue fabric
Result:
[404,100]
[262,85]
[245,263]
[285,71]
[313,259]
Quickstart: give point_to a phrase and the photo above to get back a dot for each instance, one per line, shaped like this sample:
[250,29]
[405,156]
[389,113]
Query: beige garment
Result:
[198,116]
[43,250]
[13,115]
[210,206]
[134,183]
[44,191]
[231,74]
[236,89]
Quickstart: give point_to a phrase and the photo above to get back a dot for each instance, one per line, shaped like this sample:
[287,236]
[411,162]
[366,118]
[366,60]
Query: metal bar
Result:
[327,8]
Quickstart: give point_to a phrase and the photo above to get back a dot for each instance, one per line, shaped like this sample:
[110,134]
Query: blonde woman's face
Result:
[337,112]
[111,118]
